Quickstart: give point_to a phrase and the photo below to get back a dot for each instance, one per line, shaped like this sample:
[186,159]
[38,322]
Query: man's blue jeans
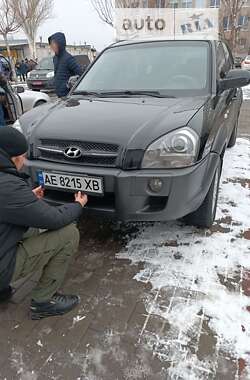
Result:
[2,121]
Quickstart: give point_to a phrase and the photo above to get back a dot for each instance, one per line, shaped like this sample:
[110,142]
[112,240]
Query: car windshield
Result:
[172,68]
[45,64]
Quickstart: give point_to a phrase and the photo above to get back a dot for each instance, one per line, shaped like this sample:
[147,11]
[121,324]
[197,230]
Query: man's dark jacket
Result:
[19,210]
[65,65]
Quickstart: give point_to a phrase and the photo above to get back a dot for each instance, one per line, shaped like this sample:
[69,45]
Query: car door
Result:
[234,98]
[221,107]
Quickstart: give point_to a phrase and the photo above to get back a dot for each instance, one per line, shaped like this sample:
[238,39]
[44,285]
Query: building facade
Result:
[20,49]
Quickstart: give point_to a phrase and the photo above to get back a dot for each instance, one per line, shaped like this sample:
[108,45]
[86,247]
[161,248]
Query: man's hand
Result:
[81,198]
[39,192]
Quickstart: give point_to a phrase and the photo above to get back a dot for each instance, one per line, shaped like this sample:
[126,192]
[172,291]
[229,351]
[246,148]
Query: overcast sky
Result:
[79,21]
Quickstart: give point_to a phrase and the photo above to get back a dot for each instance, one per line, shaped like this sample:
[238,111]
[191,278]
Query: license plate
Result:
[37,83]
[89,185]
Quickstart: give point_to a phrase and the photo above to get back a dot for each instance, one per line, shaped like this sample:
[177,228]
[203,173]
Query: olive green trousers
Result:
[49,254]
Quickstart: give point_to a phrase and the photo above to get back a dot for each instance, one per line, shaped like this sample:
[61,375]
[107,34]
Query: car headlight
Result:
[28,75]
[174,150]
[17,126]
[51,74]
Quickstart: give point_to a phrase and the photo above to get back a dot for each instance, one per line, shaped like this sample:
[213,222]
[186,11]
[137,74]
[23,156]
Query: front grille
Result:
[40,76]
[93,153]
[88,146]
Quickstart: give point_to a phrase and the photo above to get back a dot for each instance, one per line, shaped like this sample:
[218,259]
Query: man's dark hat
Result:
[12,142]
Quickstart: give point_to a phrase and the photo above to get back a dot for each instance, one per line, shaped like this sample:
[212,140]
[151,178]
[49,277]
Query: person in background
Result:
[21,252]
[23,70]
[18,72]
[65,64]
[28,67]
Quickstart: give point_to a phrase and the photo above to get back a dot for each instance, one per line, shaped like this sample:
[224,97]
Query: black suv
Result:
[143,132]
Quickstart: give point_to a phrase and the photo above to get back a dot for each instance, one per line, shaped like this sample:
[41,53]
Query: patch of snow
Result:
[39,343]
[77,319]
[246,92]
[190,277]
[18,364]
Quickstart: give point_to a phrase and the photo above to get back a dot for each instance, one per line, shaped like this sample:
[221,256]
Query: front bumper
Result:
[127,195]
[246,66]
[41,84]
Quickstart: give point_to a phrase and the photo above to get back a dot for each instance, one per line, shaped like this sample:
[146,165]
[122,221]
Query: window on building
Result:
[181,3]
[243,22]
[160,4]
[242,43]
[200,3]
[174,4]
[246,3]
[187,4]
[214,3]
[226,23]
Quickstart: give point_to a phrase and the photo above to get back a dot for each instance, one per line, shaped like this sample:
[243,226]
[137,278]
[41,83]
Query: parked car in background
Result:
[149,145]
[238,61]
[42,78]
[30,99]
[246,63]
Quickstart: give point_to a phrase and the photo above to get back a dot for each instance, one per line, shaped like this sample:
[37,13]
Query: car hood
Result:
[132,123]
[33,73]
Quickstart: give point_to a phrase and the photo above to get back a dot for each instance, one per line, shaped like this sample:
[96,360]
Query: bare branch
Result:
[8,24]
[8,19]
[105,8]
[31,14]
[232,9]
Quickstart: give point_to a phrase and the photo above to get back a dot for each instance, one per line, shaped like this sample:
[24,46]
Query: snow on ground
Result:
[198,278]
[246,92]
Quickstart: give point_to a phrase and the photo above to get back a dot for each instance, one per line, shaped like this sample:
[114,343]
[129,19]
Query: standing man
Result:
[23,70]
[65,64]
[21,252]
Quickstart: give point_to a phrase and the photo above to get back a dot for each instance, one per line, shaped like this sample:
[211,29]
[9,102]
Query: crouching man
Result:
[21,252]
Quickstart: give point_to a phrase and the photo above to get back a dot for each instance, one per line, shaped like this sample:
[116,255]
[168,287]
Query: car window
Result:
[228,56]
[173,67]
[45,64]
[222,64]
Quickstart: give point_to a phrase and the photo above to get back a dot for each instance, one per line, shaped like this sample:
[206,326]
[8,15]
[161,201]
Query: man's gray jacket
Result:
[19,210]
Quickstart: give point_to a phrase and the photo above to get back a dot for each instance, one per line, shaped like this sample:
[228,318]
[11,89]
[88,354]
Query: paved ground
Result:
[134,281]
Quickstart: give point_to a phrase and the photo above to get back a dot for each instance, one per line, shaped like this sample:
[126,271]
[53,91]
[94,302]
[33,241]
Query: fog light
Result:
[155,185]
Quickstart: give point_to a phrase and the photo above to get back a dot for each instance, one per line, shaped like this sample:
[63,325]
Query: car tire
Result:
[233,137]
[39,103]
[204,216]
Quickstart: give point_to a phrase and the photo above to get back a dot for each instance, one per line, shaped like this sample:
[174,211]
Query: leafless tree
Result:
[105,8]
[232,9]
[8,25]
[31,14]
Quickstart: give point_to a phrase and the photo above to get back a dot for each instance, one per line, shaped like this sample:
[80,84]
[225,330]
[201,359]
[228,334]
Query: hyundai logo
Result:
[73,152]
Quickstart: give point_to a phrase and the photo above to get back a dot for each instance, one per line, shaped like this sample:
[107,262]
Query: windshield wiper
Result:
[86,93]
[127,93]
[154,94]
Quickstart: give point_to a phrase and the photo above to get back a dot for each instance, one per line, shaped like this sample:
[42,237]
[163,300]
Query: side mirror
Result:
[72,81]
[20,89]
[235,78]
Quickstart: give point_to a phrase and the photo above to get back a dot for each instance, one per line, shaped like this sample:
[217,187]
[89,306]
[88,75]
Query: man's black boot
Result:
[6,294]
[59,304]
